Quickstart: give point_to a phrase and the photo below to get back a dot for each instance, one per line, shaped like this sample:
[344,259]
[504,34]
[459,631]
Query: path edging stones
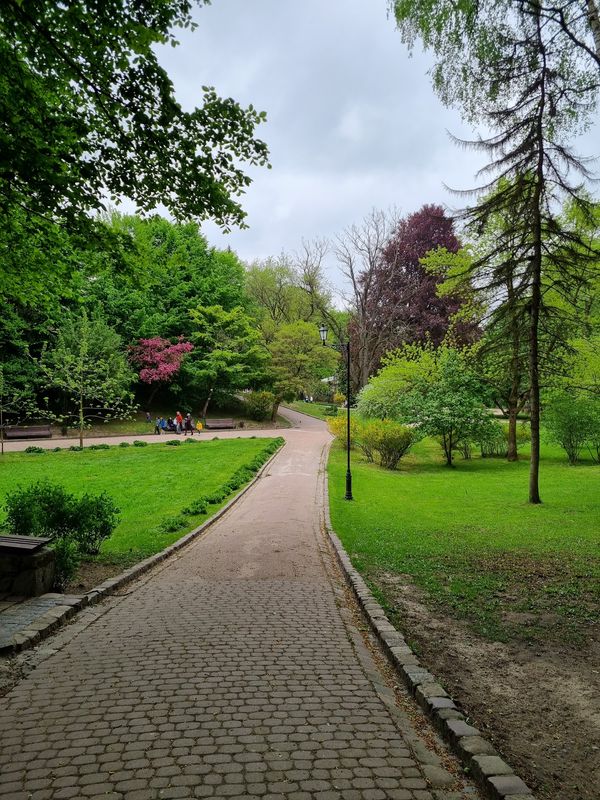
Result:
[477,755]
[52,619]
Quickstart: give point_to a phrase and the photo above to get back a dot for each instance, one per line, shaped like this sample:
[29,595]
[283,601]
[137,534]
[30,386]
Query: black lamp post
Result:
[344,347]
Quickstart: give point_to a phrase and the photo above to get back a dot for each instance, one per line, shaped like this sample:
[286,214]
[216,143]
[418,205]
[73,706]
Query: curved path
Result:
[236,669]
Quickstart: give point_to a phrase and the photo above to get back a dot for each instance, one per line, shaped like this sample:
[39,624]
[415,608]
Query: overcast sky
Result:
[353,122]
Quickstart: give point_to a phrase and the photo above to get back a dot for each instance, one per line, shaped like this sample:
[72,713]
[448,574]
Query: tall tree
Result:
[89,112]
[359,250]
[519,72]
[421,313]
[89,369]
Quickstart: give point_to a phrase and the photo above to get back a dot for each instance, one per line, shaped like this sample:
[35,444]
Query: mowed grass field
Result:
[149,484]
[469,539]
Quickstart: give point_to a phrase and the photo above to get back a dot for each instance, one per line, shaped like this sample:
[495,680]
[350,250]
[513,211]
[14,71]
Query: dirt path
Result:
[239,668]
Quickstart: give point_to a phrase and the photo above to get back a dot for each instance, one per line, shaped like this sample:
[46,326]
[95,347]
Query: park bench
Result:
[27,567]
[213,424]
[21,545]
[27,432]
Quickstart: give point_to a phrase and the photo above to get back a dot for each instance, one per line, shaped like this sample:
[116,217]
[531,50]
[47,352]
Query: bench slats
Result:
[22,544]
[27,432]
[219,423]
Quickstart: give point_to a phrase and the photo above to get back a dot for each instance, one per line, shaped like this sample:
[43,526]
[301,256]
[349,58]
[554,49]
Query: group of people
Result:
[176,424]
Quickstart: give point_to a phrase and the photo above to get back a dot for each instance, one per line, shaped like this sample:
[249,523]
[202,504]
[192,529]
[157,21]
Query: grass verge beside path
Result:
[150,485]
[469,540]
[312,409]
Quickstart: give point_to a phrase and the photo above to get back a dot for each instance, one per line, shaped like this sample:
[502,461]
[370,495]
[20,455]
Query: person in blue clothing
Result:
[157,425]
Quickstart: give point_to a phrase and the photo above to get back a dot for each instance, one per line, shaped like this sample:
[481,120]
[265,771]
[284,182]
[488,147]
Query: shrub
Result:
[259,405]
[198,506]
[330,411]
[367,439]
[573,421]
[67,559]
[99,447]
[46,509]
[338,427]
[140,443]
[56,449]
[217,496]
[339,398]
[76,448]
[390,439]
[34,449]
[97,517]
[124,444]
[173,443]
[42,509]
[173,524]
[191,440]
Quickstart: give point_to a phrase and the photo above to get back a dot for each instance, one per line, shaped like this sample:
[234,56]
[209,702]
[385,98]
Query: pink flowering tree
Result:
[159,360]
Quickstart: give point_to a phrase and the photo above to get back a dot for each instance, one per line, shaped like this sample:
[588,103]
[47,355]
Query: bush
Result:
[66,553]
[338,427]
[34,449]
[217,496]
[198,506]
[99,447]
[390,439]
[173,524]
[367,439]
[330,411]
[191,440]
[140,443]
[572,422]
[123,444]
[42,509]
[76,448]
[56,449]
[97,517]
[174,443]
[260,405]
[339,398]
[46,509]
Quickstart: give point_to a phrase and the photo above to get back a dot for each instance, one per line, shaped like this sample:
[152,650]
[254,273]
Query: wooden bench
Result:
[214,424]
[22,545]
[28,432]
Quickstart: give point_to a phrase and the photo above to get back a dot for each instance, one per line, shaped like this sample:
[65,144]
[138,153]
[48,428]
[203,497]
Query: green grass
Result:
[469,539]
[312,409]
[149,484]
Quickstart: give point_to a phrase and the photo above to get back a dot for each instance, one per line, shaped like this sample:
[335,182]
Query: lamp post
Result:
[344,347]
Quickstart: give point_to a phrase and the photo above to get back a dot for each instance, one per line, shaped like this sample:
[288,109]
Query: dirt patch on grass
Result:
[537,701]
[92,573]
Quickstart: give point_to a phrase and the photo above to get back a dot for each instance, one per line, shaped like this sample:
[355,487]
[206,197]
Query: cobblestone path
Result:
[230,672]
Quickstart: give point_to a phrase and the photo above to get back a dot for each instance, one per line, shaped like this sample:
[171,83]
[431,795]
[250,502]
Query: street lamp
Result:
[344,347]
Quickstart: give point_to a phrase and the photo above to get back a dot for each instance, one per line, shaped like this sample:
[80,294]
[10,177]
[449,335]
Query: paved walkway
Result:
[237,669]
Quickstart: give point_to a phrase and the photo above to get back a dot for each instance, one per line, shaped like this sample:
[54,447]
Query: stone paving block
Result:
[508,786]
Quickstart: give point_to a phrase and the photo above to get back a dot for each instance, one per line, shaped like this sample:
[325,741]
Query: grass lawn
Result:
[468,538]
[149,484]
[312,409]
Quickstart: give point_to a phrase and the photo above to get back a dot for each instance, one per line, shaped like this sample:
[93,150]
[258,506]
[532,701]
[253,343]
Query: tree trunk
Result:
[515,375]
[536,285]
[81,421]
[512,452]
[594,20]
[206,403]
